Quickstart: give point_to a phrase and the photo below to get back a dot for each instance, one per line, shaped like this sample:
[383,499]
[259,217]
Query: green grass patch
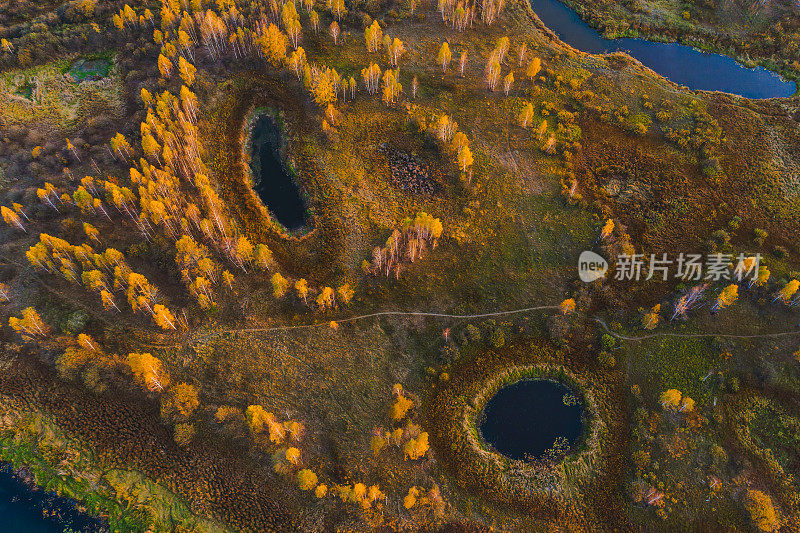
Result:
[90,68]
[676,363]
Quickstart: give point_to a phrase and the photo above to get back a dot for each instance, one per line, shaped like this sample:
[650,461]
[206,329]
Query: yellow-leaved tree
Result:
[149,371]
[607,230]
[187,71]
[416,448]
[373,36]
[260,420]
[525,115]
[444,56]
[651,318]
[534,67]
[344,293]
[29,325]
[410,499]
[180,402]
[293,455]
[761,510]
[465,159]
[567,306]
[163,317]
[325,299]
[279,285]
[671,399]
[400,408]
[306,479]
[727,297]
[789,290]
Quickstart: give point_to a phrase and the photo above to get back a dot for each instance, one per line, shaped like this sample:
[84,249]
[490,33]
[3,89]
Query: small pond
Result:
[90,69]
[25,508]
[526,419]
[682,64]
[274,182]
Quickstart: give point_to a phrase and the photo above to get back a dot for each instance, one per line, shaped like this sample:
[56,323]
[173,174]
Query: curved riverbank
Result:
[685,58]
[28,508]
[77,490]
[682,64]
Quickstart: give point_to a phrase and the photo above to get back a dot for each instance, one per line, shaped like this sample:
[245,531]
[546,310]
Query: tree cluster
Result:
[406,245]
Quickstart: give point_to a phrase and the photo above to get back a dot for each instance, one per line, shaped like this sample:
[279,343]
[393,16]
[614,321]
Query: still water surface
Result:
[524,420]
[274,183]
[682,64]
[25,508]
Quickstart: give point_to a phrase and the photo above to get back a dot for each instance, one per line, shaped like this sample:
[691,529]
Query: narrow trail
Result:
[491,314]
[391,313]
[424,314]
[691,335]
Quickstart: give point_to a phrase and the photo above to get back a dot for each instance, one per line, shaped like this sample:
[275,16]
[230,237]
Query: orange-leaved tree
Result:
[149,371]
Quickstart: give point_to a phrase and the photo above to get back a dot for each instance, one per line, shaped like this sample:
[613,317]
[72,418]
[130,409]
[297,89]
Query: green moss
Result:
[90,68]
[676,363]
[25,90]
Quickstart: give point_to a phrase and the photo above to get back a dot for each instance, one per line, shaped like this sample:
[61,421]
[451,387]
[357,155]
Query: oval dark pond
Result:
[29,509]
[682,64]
[274,183]
[525,419]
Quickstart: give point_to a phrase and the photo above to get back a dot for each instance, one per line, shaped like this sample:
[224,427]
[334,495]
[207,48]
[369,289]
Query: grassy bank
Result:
[65,465]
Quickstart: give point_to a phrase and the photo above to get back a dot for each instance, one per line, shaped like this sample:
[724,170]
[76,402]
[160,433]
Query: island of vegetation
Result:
[264,265]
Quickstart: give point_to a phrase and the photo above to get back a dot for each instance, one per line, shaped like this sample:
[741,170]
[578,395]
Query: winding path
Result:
[510,312]
[424,314]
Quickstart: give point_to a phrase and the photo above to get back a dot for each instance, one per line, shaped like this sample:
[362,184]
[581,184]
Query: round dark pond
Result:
[274,182]
[680,63]
[526,419]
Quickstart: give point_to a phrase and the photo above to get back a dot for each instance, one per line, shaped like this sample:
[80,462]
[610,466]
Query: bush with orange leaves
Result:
[262,422]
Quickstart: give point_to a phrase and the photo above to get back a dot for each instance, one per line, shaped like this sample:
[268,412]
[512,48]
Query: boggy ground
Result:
[511,240]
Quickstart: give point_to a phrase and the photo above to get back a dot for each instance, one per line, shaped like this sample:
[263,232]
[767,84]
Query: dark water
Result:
[27,509]
[274,184]
[682,64]
[90,69]
[525,419]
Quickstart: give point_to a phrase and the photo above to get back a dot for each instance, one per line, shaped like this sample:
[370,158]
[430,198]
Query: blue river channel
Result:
[682,64]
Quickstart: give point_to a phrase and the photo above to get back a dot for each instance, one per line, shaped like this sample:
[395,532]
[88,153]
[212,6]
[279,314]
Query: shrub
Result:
[306,479]
[780,252]
[759,236]
[184,433]
[761,510]
[606,359]
[473,333]
[608,341]
[497,338]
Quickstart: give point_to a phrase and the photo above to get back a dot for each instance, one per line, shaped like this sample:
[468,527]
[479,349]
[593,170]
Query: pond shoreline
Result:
[275,134]
[588,440]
